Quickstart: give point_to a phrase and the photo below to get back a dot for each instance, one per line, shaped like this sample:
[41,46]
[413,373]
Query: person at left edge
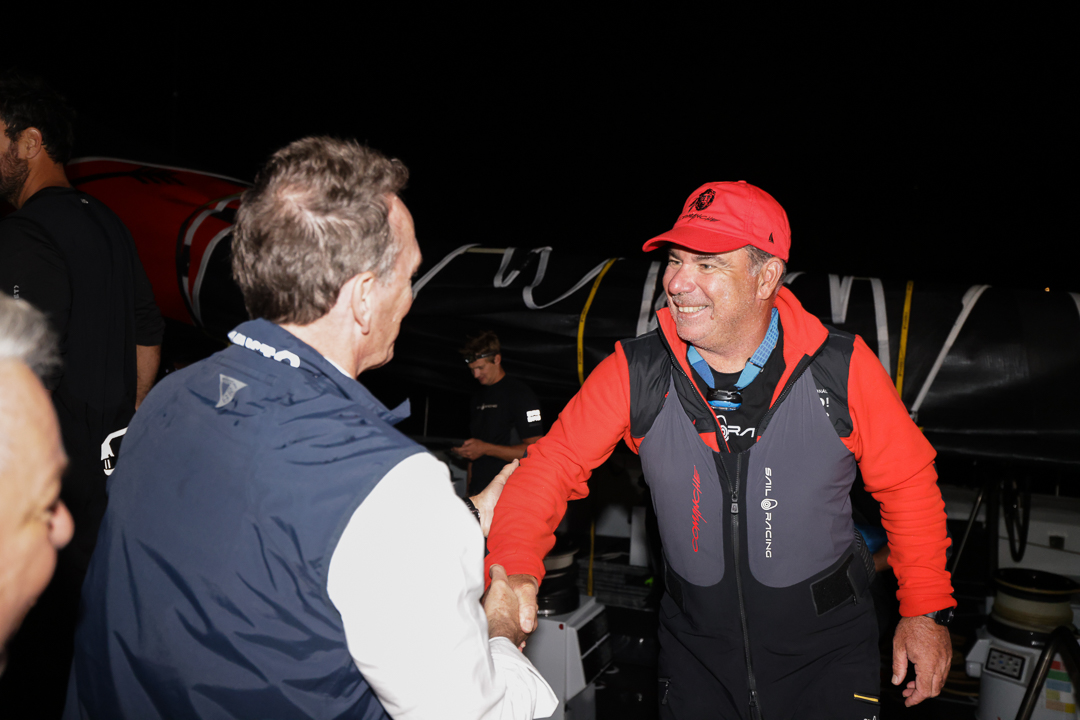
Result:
[34,523]
[272,542]
[71,257]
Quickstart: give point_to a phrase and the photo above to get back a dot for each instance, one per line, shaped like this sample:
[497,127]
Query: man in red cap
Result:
[750,418]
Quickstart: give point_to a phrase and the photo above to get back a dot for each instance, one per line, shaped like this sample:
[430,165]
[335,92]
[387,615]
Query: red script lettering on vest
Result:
[697,511]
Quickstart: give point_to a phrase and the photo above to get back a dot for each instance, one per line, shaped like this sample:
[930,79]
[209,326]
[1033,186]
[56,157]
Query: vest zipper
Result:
[751,682]
[755,709]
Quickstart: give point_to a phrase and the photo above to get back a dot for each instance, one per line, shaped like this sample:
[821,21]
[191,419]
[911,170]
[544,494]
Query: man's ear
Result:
[497,359]
[769,278]
[30,143]
[363,290]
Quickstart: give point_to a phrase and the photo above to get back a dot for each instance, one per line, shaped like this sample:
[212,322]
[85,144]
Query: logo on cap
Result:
[703,200]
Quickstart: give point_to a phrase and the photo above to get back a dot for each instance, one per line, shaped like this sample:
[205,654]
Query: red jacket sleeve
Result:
[557,469]
[897,464]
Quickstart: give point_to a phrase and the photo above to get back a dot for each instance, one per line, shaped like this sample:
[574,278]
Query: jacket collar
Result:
[274,343]
[803,334]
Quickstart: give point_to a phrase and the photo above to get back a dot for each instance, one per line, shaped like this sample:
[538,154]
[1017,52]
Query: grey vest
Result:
[764,568]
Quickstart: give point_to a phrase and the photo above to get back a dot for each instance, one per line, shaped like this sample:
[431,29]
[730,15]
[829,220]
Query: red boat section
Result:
[176,217]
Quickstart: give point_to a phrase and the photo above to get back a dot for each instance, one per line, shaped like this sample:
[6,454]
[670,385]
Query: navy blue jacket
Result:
[206,596]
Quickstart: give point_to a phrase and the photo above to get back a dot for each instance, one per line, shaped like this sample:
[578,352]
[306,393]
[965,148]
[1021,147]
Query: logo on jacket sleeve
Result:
[696,514]
[768,505]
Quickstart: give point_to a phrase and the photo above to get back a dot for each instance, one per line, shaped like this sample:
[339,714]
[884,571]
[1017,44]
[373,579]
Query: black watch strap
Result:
[472,509]
[942,617]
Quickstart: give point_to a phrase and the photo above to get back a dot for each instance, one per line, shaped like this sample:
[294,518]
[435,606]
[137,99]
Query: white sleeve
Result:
[407,576]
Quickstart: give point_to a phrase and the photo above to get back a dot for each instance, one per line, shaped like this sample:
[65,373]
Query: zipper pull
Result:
[734,504]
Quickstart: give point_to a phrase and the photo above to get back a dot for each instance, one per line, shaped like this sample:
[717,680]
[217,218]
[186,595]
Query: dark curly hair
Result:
[26,101]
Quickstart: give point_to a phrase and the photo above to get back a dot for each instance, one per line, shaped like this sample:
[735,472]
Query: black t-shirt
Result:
[739,426]
[70,256]
[31,267]
[503,414]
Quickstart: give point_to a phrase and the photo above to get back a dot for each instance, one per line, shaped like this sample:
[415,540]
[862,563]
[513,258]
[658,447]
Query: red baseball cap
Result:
[725,216]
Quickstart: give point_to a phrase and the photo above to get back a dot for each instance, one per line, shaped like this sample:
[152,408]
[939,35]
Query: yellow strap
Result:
[581,323]
[867,698]
[903,339]
[581,379]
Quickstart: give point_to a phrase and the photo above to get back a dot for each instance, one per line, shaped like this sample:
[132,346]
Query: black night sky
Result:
[907,145]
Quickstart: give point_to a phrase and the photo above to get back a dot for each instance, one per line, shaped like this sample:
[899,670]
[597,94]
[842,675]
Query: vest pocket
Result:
[850,581]
[833,590]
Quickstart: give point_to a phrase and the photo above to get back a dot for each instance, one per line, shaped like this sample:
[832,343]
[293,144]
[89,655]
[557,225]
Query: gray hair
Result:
[25,336]
[317,215]
[759,257]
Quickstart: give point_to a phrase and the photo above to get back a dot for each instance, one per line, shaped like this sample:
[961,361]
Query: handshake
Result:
[510,601]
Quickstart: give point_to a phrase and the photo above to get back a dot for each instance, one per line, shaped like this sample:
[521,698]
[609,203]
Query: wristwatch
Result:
[472,508]
[942,617]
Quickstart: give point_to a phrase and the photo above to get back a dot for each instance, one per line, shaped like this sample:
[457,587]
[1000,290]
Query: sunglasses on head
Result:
[470,359]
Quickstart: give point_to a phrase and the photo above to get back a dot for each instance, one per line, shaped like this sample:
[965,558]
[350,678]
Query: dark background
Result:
[905,144]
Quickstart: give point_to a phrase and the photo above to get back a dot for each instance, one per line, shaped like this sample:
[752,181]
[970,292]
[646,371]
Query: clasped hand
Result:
[507,615]
[472,449]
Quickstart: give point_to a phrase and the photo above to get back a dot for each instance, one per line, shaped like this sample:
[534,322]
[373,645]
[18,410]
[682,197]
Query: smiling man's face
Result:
[712,298]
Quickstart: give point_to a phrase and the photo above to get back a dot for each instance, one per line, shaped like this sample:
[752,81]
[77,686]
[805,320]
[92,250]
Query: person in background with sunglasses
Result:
[504,416]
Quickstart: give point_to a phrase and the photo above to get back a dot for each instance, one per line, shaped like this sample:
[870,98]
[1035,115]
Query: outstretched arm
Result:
[425,646]
[556,470]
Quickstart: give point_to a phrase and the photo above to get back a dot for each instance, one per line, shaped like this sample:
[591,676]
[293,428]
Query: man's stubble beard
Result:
[13,175]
